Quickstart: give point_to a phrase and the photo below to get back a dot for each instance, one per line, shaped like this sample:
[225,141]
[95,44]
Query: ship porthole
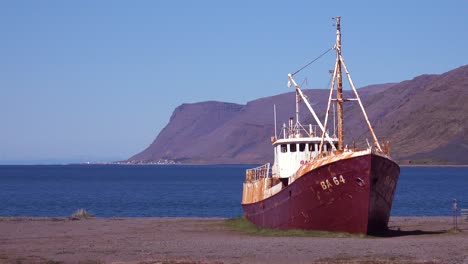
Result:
[360,181]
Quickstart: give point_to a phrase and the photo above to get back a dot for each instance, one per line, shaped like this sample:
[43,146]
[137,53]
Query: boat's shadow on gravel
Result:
[399,233]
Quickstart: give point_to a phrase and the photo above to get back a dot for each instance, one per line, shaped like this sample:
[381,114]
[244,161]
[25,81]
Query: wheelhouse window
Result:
[302,147]
[292,147]
[312,147]
[284,148]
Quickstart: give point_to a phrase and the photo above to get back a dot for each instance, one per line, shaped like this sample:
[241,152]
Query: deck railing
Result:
[257,173]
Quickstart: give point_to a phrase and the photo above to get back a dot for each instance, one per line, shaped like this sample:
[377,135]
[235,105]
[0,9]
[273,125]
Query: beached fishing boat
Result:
[317,182]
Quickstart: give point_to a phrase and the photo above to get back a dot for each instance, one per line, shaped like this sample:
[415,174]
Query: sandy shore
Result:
[209,240]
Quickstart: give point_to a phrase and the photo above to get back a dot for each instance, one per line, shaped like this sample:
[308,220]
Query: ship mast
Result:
[338,76]
[339,96]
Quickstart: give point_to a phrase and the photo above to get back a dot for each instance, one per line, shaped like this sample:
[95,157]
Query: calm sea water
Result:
[184,191]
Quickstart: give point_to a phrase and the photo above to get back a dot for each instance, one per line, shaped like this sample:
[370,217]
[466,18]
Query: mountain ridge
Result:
[423,118]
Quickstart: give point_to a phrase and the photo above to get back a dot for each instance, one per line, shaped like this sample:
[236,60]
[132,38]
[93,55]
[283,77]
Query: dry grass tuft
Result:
[180,262]
[81,214]
[90,262]
[373,260]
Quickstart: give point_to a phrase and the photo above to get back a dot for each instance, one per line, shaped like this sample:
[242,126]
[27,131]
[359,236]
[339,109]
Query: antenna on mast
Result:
[274,114]
[297,108]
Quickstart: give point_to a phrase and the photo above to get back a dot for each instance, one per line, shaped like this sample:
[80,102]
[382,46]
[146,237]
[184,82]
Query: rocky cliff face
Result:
[425,119]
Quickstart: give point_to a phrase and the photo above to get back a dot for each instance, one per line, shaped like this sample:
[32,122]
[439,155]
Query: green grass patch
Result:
[244,226]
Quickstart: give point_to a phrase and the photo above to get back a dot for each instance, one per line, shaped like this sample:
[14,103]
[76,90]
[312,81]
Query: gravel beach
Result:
[210,240]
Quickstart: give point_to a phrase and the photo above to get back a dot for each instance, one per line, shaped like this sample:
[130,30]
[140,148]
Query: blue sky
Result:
[97,80]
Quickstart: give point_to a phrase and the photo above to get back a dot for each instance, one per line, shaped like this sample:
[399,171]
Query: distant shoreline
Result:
[208,218]
[186,164]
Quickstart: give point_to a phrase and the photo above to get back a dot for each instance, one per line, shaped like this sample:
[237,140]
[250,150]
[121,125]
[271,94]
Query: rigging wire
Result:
[328,87]
[305,66]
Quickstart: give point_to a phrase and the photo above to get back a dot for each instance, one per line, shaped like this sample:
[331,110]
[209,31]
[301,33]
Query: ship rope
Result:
[314,60]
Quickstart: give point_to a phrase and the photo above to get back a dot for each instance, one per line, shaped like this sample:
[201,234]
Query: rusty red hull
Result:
[353,195]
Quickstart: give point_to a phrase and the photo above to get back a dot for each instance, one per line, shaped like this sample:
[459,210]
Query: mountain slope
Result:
[424,119]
